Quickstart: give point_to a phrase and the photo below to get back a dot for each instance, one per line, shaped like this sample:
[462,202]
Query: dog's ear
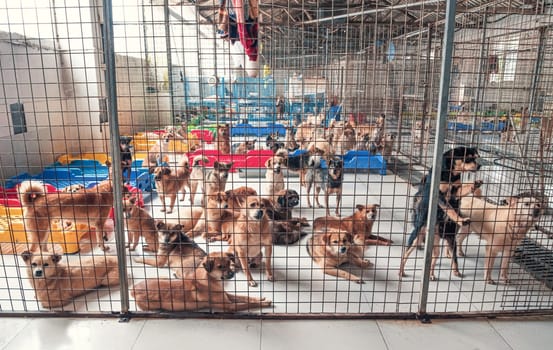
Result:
[447,160]
[360,207]
[231,257]
[282,201]
[269,163]
[56,258]
[132,200]
[27,256]
[177,227]
[208,264]
[349,237]
[166,171]
[326,238]
[512,201]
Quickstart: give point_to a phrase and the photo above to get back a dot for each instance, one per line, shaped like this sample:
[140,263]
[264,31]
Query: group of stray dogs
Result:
[252,224]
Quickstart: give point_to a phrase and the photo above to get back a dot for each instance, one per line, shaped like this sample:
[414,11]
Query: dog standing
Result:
[169,183]
[204,290]
[211,180]
[289,140]
[56,284]
[503,227]
[222,139]
[345,140]
[315,176]
[176,250]
[335,182]
[454,163]
[332,248]
[250,233]
[139,223]
[158,152]
[125,149]
[274,178]
[89,206]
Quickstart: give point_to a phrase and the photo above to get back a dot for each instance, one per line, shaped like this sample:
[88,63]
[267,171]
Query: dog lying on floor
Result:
[332,248]
[88,206]
[176,250]
[56,284]
[454,163]
[203,290]
[503,227]
[359,225]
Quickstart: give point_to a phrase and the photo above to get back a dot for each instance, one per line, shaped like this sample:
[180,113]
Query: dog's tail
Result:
[29,191]
[196,160]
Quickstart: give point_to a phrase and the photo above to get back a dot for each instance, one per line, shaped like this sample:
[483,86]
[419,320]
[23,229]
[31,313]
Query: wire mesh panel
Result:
[275,157]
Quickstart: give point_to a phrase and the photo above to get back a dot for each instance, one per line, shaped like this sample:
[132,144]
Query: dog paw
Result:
[366,263]
[162,209]
[321,206]
[253,284]
[457,274]
[492,282]
[360,281]
[465,222]
[433,278]
[270,278]
[478,184]
[506,280]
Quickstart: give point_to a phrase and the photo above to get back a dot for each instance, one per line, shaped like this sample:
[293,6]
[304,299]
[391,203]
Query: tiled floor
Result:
[83,334]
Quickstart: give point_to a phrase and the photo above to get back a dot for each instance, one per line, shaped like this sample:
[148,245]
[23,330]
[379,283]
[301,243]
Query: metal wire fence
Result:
[274,158]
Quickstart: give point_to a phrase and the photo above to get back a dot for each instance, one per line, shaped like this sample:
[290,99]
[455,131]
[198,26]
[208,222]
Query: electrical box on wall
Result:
[18,118]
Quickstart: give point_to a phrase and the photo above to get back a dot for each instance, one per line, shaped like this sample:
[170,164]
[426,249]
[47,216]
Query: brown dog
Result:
[211,180]
[502,227]
[222,139]
[274,178]
[203,290]
[359,225]
[56,284]
[139,223]
[157,154]
[90,207]
[332,248]
[250,232]
[215,213]
[170,182]
[176,250]
[236,198]
[245,146]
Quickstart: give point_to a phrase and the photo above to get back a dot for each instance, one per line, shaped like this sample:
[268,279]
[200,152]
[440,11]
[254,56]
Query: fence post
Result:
[441,131]
[111,89]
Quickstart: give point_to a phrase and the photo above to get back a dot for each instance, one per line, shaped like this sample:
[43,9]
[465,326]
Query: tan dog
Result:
[56,284]
[502,227]
[345,139]
[197,175]
[176,250]
[158,152]
[90,207]
[204,290]
[236,198]
[211,180]
[215,213]
[359,225]
[250,232]
[139,223]
[170,182]
[274,178]
[245,146]
[290,140]
[332,248]
[222,139]
[372,132]
[73,188]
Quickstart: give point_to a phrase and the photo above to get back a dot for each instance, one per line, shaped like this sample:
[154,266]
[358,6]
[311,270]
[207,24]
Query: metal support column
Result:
[441,131]
[482,62]
[169,58]
[426,96]
[111,89]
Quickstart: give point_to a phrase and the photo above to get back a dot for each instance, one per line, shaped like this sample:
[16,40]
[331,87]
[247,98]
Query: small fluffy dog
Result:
[222,139]
[139,223]
[203,290]
[454,163]
[274,178]
[89,206]
[176,250]
[244,147]
[503,227]
[335,182]
[250,232]
[170,182]
[332,248]
[316,176]
[56,284]
[125,149]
